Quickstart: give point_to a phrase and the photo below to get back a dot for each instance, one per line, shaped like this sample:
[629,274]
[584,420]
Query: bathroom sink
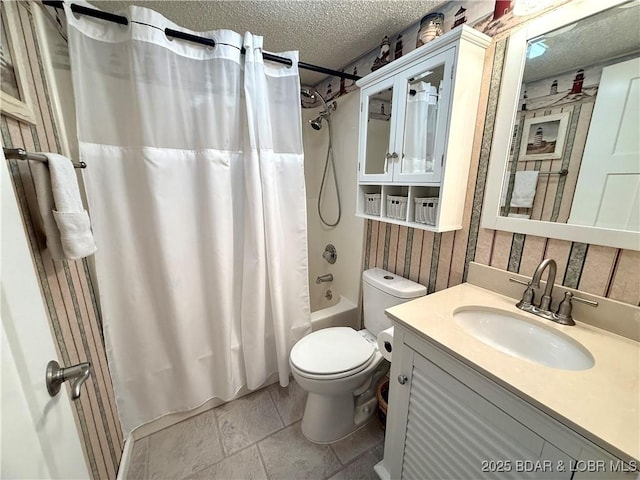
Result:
[524,338]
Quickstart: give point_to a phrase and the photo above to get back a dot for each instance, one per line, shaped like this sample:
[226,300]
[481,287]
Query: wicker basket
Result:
[372,203]
[382,393]
[426,210]
[397,207]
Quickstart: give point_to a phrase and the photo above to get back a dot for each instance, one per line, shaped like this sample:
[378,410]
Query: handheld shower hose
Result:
[316,124]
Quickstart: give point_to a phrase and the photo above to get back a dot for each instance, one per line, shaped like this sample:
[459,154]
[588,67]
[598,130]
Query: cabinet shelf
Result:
[422,226]
[366,192]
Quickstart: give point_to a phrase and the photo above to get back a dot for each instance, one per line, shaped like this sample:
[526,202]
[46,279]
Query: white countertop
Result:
[602,403]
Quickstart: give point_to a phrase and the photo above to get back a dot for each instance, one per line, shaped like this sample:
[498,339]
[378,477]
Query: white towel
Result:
[69,214]
[42,182]
[519,215]
[524,189]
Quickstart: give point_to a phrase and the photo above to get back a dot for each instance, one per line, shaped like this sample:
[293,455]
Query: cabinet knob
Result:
[402,379]
[394,156]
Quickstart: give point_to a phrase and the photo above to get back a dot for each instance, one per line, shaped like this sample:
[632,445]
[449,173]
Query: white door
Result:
[608,189]
[39,436]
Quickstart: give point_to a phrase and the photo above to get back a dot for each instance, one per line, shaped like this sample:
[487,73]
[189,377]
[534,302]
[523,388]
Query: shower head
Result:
[310,97]
[316,123]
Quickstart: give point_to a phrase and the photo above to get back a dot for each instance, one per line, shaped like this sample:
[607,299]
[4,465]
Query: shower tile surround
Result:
[255,437]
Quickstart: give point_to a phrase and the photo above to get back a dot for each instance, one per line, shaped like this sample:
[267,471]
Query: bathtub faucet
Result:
[324,278]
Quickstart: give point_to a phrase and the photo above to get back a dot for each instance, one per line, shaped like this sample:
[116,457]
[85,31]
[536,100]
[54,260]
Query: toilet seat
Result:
[332,353]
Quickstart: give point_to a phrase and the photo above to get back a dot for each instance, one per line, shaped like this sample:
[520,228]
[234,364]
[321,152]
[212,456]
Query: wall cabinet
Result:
[417,118]
[401,121]
[446,420]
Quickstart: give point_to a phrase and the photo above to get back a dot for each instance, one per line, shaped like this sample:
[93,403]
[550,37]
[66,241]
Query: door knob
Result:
[56,376]
[402,379]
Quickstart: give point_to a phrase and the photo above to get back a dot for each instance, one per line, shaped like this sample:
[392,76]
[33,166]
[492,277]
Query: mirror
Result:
[378,132]
[565,159]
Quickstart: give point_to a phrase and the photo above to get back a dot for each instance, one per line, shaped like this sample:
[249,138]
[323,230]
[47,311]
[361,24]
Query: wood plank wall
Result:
[441,260]
[554,195]
[67,289]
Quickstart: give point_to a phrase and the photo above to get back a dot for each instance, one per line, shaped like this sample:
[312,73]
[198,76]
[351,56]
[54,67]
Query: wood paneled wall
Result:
[67,288]
[440,260]
[554,194]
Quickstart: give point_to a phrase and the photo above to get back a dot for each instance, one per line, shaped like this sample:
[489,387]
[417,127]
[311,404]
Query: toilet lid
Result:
[331,350]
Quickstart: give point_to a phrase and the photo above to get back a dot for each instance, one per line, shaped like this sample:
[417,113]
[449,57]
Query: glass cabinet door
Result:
[421,118]
[426,99]
[377,133]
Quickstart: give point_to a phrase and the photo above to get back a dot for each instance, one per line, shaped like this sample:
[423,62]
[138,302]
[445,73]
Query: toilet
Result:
[339,367]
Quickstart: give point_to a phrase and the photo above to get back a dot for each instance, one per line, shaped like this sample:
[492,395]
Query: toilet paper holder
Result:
[385,343]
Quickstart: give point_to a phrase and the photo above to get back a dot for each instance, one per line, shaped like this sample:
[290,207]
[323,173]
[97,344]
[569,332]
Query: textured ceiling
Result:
[608,35]
[329,33]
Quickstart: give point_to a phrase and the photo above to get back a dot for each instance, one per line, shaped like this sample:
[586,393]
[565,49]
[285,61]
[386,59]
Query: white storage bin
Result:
[426,210]
[372,203]
[397,207]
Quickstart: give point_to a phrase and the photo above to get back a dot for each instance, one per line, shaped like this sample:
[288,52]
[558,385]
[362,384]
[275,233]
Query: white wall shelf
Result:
[417,119]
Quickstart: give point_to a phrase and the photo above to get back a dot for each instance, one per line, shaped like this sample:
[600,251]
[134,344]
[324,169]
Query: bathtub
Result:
[344,313]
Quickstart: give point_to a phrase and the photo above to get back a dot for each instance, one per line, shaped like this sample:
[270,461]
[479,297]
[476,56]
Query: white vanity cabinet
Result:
[447,421]
[417,120]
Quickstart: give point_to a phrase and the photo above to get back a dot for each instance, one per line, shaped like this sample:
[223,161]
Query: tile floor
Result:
[255,437]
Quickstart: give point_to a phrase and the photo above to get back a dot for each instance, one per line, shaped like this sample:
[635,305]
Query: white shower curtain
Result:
[196,191]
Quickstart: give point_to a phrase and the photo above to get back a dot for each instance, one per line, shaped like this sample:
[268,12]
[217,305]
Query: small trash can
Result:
[382,393]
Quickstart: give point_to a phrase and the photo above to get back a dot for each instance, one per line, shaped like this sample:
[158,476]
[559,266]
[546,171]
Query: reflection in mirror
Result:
[421,118]
[378,132]
[575,146]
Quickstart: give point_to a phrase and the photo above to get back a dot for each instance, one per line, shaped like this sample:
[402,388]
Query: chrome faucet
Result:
[526,303]
[324,278]
[545,301]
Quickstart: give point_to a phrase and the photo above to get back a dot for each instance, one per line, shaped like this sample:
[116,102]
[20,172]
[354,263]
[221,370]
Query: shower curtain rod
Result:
[121,20]
[22,154]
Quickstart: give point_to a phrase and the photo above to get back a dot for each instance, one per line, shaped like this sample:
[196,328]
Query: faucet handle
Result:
[565,308]
[527,295]
[591,303]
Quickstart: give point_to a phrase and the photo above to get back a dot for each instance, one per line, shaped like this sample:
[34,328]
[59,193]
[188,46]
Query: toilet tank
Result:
[381,290]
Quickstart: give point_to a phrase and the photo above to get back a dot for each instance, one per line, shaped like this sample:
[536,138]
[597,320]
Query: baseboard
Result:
[125,460]
[381,470]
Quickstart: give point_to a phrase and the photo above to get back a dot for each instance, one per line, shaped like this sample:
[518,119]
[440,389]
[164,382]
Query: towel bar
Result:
[562,172]
[22,154]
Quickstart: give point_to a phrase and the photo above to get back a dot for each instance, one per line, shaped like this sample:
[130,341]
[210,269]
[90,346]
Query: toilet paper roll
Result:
[385,343]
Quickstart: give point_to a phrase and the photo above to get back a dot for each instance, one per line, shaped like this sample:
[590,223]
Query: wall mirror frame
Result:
[507,110]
